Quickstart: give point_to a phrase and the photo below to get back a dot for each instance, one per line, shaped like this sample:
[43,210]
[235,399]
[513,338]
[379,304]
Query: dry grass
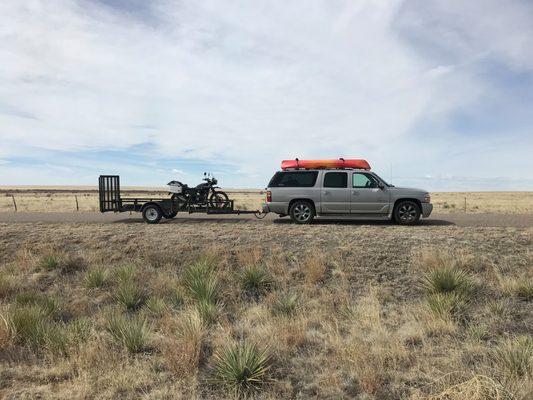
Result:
[60,199]
[270,311]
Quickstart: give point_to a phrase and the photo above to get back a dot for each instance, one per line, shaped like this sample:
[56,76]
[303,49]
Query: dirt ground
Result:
[341,310]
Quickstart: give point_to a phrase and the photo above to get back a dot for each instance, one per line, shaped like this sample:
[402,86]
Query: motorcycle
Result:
[203,195]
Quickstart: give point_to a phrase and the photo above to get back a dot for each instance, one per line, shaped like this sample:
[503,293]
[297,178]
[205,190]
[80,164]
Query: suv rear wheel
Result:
[302,212]
[407,212]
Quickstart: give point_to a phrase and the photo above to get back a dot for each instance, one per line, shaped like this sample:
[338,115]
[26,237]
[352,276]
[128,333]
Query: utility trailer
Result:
[154,209]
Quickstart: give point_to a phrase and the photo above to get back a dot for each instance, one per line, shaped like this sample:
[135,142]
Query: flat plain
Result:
[85,198]
[267,310]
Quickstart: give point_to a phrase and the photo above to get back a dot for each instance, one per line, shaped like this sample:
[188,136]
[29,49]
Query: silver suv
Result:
[341,193]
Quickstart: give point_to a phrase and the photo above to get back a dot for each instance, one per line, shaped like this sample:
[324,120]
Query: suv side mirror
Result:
[381,185]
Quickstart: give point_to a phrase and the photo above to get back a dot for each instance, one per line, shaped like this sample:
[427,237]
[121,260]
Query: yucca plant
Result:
[446,305]
[447,280]
[49,262]
[7,285]
[96,278]
[130,295]
[126,273]
[156,306]
[255,280]
[516,357]
[48,304]
[208,311]
[241,368]
[201,281]
[27,324]
[524,290]
[130,332]
[286,304]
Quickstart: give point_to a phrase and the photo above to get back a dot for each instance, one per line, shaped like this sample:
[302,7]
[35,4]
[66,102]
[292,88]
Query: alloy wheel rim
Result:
[302,212]
[407,212]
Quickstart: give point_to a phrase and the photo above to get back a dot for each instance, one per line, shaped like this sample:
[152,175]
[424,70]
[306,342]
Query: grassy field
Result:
[47,199]
[271,311]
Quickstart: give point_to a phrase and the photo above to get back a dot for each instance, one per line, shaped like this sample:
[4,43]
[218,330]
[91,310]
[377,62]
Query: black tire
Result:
[171,215]
[407,212]
[152,214]
[302,212]
[219,200]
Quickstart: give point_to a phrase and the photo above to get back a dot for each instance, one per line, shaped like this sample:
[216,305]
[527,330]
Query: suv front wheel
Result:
[407,212]
[302,212]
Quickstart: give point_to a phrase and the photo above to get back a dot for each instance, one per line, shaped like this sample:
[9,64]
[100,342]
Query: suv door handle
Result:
[327,192]
[356,193]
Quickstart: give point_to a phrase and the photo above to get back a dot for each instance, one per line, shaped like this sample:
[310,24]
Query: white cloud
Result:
[246,83]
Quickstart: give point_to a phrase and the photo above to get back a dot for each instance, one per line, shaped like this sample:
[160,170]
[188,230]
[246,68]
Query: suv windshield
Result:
[294,179]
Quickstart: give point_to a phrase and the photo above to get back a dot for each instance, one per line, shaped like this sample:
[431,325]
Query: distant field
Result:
[63,198]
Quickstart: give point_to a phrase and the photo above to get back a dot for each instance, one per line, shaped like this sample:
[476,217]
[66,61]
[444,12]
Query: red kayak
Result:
[325,164]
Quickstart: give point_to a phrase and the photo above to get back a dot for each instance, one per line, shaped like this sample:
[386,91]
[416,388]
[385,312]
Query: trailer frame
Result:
[110,199]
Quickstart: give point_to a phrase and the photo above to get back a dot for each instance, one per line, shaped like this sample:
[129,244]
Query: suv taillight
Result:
[269,196]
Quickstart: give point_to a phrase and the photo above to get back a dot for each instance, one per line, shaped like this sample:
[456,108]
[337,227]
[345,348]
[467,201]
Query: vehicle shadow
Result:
[282,221]
[423,222]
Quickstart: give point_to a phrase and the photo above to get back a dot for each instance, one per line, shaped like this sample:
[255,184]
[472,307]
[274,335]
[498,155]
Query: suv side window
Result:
[361,180]
[336,180]
[294,179]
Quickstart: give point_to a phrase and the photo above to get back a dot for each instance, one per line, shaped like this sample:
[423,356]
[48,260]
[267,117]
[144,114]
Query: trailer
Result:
[154,209]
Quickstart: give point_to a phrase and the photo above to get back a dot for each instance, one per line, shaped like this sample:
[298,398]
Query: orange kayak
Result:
[325,164]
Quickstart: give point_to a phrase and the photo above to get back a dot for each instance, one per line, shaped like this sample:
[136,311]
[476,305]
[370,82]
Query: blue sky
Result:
[436,94]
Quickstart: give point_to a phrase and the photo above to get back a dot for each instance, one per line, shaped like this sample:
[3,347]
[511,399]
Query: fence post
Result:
[77,205]
[465,204]
[14,202]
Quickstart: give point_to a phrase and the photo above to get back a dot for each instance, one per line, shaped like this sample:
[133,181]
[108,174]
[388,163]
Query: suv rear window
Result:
[294,179]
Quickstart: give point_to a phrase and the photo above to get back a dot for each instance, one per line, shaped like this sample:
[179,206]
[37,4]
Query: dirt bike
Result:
[203,195]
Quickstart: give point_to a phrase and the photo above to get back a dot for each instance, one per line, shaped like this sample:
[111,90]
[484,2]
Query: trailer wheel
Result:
[152,214]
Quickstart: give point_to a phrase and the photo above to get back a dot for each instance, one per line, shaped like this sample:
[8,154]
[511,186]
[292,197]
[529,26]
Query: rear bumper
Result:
[426,209]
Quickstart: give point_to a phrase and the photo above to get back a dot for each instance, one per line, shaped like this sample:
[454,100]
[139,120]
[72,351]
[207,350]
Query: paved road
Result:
[459,219]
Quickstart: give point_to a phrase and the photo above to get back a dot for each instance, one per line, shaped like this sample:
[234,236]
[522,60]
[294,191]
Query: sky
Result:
[436,94]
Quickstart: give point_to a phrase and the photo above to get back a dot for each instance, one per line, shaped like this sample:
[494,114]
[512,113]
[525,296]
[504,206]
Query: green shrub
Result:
[241,368]
[515,357]
[130,332]
[447,280]
[96,278]
[201,281]
[445,305]
[286,304]
[255,280]
[130,295]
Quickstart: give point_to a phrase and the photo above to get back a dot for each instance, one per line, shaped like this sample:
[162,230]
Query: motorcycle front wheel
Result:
[219,200]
